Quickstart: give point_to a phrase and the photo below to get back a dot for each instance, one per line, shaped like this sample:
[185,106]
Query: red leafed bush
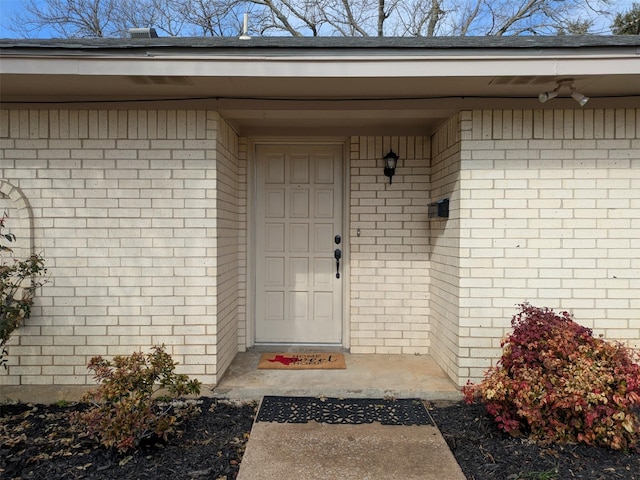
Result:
[131,403]
[557,383]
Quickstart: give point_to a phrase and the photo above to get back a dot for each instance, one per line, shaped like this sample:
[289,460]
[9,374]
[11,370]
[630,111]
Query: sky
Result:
[8,7]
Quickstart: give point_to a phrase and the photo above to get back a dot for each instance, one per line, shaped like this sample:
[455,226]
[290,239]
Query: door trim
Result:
[252,144]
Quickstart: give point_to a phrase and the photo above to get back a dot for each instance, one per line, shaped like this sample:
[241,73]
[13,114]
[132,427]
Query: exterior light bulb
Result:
[543,97]
[580,98]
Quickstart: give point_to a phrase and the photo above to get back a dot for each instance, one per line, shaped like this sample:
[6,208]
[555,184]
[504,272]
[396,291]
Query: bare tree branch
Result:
[348,18]
[381,17]
[308,14]
[526,10]
[109,18]
[68,18]
[214,19]
[351,20]
[470,15]
[280,16]
[435,14]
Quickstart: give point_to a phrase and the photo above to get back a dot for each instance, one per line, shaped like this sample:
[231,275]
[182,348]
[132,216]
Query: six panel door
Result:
[298,215]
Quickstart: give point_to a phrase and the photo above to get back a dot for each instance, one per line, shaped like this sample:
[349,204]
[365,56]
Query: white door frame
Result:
[251,228]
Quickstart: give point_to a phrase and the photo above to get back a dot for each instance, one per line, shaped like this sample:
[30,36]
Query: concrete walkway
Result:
[317,451]
[280,451]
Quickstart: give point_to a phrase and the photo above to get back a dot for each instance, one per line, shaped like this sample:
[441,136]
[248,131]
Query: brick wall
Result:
[125,211]
[549,214]
[389,263]
[230,234]
[446,344]
[142,218]
[19,221]
[243,256]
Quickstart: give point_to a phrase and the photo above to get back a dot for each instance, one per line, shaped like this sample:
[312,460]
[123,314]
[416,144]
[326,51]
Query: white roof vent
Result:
[143,33]
[245,28]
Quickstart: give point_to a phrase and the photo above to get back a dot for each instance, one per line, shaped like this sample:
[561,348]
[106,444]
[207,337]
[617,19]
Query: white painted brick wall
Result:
[230,236]
[142,214]
[126,207]
[389,263]
[549,213]
[445,248]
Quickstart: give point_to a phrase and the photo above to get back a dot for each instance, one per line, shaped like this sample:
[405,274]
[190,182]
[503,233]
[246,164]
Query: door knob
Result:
[337,254]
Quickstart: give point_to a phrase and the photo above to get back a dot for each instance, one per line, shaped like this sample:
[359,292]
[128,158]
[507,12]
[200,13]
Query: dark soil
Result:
[36,442]
[484,452]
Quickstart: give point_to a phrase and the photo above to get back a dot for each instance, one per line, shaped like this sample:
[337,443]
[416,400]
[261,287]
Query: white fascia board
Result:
[321,67]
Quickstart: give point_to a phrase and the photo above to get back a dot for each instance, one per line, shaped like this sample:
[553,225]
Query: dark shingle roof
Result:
[297,44]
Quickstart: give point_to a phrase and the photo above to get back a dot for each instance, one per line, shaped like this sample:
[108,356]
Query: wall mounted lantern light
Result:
[390,163]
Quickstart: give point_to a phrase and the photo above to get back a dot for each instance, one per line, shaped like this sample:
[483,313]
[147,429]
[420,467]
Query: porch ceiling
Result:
[318,106]
[308,92]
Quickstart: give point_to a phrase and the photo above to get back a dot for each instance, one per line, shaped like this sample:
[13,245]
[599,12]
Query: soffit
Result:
[350,91]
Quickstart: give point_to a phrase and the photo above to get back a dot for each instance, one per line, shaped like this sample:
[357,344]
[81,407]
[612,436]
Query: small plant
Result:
[557,383]
[548,475]
[19,280]
[127,405]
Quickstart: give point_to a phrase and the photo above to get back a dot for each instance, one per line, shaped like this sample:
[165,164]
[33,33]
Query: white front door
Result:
[298,215]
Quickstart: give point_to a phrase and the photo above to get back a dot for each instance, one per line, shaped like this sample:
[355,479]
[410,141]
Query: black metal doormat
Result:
[350,411]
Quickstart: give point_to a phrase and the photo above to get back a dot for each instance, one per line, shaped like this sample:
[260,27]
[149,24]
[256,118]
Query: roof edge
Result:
[332,43]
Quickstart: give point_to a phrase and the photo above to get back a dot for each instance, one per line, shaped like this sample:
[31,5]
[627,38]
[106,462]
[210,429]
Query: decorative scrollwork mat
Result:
[351,411]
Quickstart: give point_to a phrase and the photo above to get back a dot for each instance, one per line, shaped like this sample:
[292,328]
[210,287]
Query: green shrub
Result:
[557,383]
[128,405]
[19,280]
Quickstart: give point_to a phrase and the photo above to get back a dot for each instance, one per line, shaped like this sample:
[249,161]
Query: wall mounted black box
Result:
[439,209]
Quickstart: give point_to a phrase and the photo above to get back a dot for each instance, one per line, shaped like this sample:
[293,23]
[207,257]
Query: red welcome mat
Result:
[302,361]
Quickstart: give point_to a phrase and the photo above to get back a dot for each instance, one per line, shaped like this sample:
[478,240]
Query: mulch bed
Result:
[37,443]
[484,452]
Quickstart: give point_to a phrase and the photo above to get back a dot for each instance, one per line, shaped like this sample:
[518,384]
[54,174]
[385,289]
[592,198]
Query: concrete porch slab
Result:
[366,376]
